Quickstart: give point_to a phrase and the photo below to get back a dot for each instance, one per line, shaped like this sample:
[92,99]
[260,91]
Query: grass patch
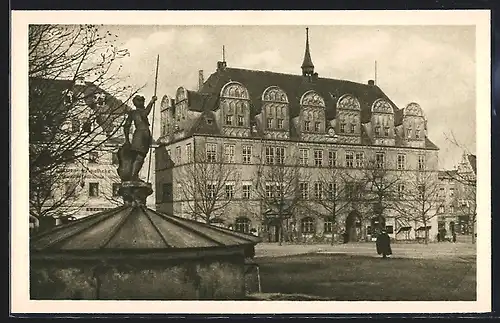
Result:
[344,277]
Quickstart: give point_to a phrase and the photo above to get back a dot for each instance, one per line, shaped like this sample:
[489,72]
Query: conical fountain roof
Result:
[136,229]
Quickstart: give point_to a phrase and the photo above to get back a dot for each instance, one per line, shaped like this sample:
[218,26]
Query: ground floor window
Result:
[328,224]
[307,225]
[242,225]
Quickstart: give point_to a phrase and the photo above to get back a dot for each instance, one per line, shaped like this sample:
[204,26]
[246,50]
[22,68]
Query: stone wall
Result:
[221,278]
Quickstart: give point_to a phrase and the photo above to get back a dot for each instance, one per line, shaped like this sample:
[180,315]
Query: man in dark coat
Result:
[384,244]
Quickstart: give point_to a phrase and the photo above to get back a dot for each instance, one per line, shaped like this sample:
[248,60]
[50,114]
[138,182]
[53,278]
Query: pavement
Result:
[460,251]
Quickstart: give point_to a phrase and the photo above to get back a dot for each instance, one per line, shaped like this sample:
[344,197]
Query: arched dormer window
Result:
[235,106]
[349,115]
[166,115]
[382,118]
[312,112]
[413,122]
[181,103]
[275,106]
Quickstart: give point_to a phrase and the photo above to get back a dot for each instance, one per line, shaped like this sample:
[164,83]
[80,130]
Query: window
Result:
[269,155]
[377,130]
[229,120]
[386,131]
[280,155]
[318,157]
[389,229]
[307,126]
[93,189]
[380,160]
[280,123]
[328,225]
[417,132]
[421,191]
[353,127]
[349,159]
[211,153]
[342,127]
[452,192]
[167,192]
[75,125]
[242,225]
[178,154]
[317,126]
[360,159]
[269,190]
[307,225]
[318,190]
[304,157]
[210,121]
[211,190]
[441,192]
[401,191]
[116,189]
[441,209]
[69,189]
[229,191]
[229,153]
[114,158]
[421,162]
[189,153]
[304,190]
[408,133]
[246,191]
[269,123]
[349,190]
[401,162]
[93,157]
[247,153]
[240,121]
[452,209]
[332,190]
[332,158]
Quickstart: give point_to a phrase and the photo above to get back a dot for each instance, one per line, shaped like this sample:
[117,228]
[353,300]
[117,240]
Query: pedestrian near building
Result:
[384,244]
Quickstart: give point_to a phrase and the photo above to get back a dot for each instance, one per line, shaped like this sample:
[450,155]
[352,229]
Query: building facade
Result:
[295,147]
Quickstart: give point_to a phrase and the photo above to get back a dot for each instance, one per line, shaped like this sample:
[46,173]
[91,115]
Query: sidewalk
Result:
[407,250]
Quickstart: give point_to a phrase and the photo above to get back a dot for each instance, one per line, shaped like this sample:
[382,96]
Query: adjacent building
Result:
[281,144]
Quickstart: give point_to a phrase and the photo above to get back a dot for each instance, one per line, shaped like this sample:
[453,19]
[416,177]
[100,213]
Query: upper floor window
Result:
[452,192]
[441,209]
[304,157]
[380,160]
[417,133]
[211,153]
[189,152]
[229,153]
[408,133]
[332,190]
[93,157]
[386,131]
[247,153]
[317,126]
[342,127]
[360,157]
[421,162]
[377,130]
[401,191]
[178,154]
[229,191]
[240,121]
[349,159]
[353,128]
[280,123]
[318,190]
[307,125]
[332,158]
[246,191]
[280,155]
[269,123]
[401,162]
[304,190]
[318,157]
[269,155]
[229,120]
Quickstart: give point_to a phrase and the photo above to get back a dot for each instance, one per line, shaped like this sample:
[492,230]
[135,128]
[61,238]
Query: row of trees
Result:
[282,187]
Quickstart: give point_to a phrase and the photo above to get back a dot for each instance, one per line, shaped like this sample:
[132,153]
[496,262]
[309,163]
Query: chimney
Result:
[371,82]
[221,66]
[201,80]
[315,77]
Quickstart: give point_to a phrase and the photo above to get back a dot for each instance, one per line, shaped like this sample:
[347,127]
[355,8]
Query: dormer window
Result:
[210,121]
[342,127]
[353,128]
[229,120]
[408,133]
[280,123]
[417,133]
[307,126]
[386,131]
[269,123]
[317,126]
[377,130]
[240,121]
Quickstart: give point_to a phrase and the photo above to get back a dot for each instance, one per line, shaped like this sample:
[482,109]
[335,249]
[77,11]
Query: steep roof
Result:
[294,86]
[472,162]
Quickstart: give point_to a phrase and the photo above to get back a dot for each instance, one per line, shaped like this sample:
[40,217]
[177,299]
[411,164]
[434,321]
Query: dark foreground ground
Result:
[343,277]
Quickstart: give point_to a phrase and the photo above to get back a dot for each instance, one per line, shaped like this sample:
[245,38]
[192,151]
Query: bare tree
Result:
[207,185]
[277,185]
[73,98]
[465,202]
[421,199]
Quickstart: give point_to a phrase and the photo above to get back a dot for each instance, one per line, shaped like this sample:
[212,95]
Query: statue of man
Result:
[142,138]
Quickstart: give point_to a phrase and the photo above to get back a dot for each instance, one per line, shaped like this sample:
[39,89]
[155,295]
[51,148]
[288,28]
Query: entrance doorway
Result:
[352,227]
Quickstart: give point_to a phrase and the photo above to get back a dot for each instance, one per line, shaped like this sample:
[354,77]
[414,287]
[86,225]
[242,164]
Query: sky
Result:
[431,65]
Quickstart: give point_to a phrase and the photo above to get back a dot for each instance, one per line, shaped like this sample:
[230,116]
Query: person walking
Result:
[384,244]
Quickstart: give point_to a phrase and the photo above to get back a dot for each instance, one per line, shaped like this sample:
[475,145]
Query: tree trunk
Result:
[426,239]
[473,235]
[280,233]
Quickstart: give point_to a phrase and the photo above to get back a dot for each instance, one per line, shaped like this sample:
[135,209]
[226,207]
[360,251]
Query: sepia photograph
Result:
[252,160]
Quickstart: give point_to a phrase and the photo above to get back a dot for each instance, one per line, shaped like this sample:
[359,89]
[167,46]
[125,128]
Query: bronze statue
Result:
[132,154]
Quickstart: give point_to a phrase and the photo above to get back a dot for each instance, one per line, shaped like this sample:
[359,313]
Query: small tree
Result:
[277,185]
[421,199]
[208,185]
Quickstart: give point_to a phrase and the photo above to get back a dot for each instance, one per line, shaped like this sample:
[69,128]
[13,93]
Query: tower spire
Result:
[307,64]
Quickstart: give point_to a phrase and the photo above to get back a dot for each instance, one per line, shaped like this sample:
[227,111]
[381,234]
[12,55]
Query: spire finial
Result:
[307,64]
[223,53]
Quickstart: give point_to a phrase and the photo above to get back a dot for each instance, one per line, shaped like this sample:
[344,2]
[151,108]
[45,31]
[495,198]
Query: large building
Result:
[281,144]
[457,214]
[85,120]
